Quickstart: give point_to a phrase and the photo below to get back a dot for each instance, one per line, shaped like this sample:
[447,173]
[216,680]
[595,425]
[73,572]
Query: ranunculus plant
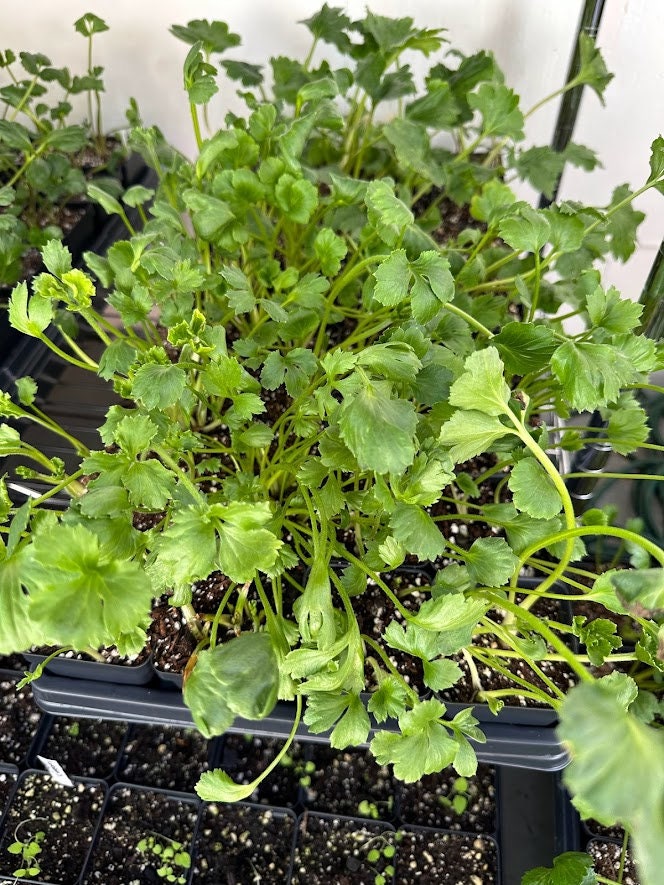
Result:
[342,346]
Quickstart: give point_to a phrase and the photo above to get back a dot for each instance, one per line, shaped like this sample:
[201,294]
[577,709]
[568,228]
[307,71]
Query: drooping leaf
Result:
[605,741]
[571,868]
[471,433]
[482,385]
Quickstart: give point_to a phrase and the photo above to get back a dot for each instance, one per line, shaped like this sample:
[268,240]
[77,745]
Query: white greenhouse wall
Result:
[531,40]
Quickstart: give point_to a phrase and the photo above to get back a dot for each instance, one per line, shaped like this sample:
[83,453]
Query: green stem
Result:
[469,319]
[579,531]
[196,124]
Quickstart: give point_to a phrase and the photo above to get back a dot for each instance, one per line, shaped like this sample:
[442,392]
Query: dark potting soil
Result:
[464,691]
[245,757]
[163,756]
[243,844]
[67,816]
[171,641]
[606,859]
[375,611]
[85,747]
[448,802]
[351,783]
[429,858]
[341,851]
[19,718]
[7,781]
[120,856]
[453,218]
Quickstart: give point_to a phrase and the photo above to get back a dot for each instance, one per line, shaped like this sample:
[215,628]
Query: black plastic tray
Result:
[520,746]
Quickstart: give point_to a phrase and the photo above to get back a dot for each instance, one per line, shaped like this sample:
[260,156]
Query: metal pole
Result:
[591,15]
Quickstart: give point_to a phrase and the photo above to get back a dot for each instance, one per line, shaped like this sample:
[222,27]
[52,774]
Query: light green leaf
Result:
[490,561]
[482,386]
[217,786]
[241,674]
[533,490]
[591,375]
[378,429]
[392,279]
[499,107]
[609,311]
[571,868]
[389,699]
[330,250]
[471,433]
[387,214]
[529,232]
[592,70]
[416,531]
[604,742]
[433,286]
[159,386]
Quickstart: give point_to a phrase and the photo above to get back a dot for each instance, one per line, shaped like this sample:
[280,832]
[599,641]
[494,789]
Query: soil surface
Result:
[243,844]
[19,718]
[337,850]
[67,816]
[606,857]
[84,747]
[446,801]
[429,858]
[133,815]
[245,757]
[165,757]
[350,782]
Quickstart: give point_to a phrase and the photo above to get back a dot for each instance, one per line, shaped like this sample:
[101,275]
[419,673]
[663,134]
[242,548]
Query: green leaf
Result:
[533,490]
[525,347]
[241,675]
[56,258]
[330,251]
[90,24]
[30,319]
[245,546]
[158,387]
[215,36]
[67,570]
[422,747]
[499,107]
[599,637]
[607,310]
[471,433]
[441,674]
[482,385]
[437,108]
[345,714]
[217,786]
[527,232]
[416,531]
[452,617]
[591,374]
[149,484]
[640,591]
[379,430]
[433,286]
[389,699]
[490,561]
[394,360]
[622,224]
[571,868]
[627,428]
[392,279]
[297,197]
[657,163]
[605,741]
[592,70]
[330,24]
[386,213]
[17,630]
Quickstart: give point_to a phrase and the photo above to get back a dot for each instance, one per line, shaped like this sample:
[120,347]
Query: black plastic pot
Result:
[83,747]
[96,671]
[426,855]
[67,818]
[244,842]
[136,825]
[19,720]
[166,757]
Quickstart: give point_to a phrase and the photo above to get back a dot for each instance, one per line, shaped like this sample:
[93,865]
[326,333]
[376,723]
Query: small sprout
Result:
[28,851]
[171,856]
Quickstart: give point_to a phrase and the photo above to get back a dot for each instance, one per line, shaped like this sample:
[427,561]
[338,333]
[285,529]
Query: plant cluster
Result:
[29,852]
[45,158]
[174,862]
[320,376]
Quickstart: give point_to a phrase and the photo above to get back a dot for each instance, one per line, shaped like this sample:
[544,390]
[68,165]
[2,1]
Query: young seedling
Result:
[174,861]
[28,850]
[459,799]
